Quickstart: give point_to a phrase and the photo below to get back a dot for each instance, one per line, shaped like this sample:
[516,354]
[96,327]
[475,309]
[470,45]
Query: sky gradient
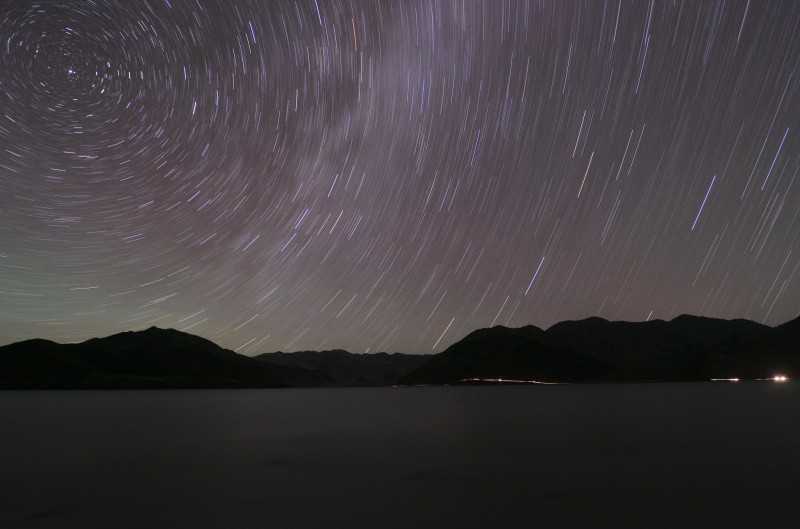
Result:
[388,176]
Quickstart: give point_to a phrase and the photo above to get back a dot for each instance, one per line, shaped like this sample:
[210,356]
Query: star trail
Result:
[390,175]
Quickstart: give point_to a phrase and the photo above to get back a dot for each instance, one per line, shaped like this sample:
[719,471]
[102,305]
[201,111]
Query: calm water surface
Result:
[660,455]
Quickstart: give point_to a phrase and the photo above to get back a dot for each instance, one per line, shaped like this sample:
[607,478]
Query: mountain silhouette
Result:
[502,352]
[686,348]
[152,358]
[341,368]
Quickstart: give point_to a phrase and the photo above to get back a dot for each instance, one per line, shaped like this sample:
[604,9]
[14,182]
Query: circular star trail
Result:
[379,175]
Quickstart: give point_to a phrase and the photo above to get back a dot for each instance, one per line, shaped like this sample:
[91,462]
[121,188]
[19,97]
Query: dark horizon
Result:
[445,347]
[593,350]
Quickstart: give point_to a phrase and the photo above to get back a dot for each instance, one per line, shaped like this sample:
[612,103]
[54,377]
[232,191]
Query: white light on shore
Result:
[780,378]
[505,381]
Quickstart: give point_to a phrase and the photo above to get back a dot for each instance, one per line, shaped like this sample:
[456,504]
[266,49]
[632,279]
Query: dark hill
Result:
[791,326]
[501,352]
[341,368]
[684,349]
[153,358]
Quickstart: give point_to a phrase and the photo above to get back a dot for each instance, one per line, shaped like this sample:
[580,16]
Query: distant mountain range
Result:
[687,348]
[166,358]
[154,358]
[341,368]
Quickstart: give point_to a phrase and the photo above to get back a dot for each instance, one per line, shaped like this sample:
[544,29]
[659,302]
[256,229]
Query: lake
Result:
[649,455]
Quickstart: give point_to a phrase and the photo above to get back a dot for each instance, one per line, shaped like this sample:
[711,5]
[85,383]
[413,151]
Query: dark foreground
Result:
[660,455]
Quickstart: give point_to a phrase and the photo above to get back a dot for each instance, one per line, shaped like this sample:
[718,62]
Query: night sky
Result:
[390,175]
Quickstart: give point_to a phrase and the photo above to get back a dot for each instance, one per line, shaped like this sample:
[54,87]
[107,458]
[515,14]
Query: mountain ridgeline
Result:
[687,348]
[153,358]
[341,368]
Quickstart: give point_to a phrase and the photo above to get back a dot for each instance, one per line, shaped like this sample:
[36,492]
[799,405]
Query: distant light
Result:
[780,378]
[506,381]
[735,379]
